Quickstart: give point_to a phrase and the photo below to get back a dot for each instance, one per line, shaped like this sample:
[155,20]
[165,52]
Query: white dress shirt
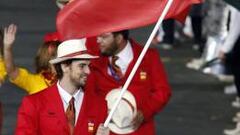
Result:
[66,97]
[124,58]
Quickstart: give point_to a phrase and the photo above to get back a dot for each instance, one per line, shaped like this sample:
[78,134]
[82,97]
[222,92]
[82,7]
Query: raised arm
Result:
[8,40]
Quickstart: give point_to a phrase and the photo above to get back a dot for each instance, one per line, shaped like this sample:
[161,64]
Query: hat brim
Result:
[118,130]
[83,56]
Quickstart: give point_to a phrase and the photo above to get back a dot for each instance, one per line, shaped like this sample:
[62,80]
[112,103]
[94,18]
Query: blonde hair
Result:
[46,52]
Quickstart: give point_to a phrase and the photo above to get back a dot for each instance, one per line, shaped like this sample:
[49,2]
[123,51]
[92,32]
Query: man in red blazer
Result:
[65,108]
[149,85]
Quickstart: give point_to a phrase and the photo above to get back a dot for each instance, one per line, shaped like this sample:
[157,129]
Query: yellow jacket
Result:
[3,72]
[32,83]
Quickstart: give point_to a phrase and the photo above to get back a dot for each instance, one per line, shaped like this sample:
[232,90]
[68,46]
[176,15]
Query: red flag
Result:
[85,18]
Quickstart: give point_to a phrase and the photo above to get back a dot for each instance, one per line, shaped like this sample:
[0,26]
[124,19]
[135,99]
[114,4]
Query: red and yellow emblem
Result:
[143,75]
[91,127]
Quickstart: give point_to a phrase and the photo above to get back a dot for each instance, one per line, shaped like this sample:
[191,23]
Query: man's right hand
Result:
[9,36]
[138,120]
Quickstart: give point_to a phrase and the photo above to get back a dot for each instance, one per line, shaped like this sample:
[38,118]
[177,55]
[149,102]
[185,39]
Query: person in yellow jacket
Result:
[2,70]
[44,76]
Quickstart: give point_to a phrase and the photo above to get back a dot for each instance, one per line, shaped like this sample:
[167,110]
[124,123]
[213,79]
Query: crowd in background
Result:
[214,30]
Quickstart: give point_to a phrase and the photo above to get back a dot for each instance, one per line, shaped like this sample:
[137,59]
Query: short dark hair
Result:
[59,69]
[125,34]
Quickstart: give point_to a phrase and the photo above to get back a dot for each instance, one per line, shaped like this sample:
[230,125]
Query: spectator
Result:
[45,74]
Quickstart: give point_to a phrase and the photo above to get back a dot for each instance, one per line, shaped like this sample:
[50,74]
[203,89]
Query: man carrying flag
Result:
[149,86]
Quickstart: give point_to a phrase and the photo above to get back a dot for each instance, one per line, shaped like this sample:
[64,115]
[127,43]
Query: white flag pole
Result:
[129,79]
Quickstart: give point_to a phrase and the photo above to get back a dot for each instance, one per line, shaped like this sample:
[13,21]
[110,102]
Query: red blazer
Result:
[149,85]
[43,114]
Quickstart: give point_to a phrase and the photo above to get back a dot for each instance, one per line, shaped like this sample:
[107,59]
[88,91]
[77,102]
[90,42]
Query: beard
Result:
[79,82]
[111,50]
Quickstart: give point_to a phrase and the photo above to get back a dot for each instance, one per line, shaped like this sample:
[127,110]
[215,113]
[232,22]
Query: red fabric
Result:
[50,37]
[92,46]
[149,85]
[84,18]
[43,113]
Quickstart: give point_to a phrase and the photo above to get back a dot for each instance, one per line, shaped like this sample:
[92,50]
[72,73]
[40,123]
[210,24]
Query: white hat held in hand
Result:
[125,113]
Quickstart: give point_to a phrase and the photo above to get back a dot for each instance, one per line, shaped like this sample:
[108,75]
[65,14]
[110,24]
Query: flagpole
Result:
[129,79]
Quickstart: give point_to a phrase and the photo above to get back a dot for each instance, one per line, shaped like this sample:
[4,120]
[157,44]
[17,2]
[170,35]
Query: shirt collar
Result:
[126,55]
[125,52]
[66,97]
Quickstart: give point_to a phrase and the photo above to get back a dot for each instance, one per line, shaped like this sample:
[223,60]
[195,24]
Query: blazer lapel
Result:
[82,115]
[136,53]
[56,106]
[89,115]
[103,67]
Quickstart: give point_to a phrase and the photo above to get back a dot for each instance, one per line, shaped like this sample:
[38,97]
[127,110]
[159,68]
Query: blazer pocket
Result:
[49,123]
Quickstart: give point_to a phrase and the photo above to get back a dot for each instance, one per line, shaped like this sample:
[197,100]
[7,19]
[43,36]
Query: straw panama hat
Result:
[124,114]
[72,49]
